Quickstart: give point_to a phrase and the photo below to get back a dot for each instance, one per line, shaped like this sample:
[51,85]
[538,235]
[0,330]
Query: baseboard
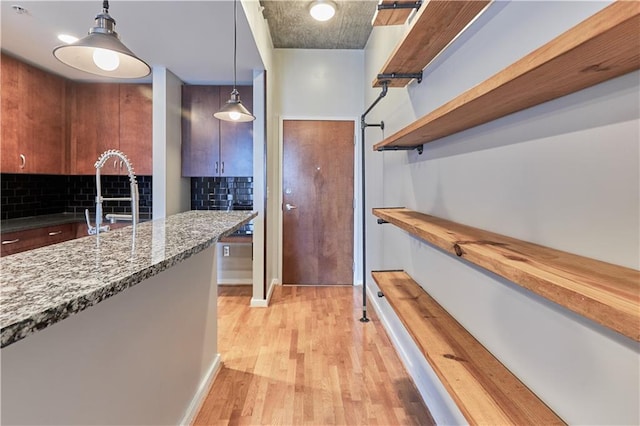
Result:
[234,281]
[203,390]
[264,303]
[442,407]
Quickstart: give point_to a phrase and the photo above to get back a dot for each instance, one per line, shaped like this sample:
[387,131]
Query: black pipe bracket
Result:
[396,5]
[419,148]
[394,75]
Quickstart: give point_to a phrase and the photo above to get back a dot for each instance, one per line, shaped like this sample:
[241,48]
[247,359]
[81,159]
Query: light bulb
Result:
[106,59]
[234,115]
[322,11]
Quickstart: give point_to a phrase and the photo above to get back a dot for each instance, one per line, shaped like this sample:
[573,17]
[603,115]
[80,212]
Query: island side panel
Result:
[140,357]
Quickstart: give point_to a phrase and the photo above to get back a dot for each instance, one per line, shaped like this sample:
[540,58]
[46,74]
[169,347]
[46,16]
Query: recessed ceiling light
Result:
[322,10]
[66,38]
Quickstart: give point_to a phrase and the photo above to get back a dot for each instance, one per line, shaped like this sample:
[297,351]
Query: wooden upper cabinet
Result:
[212,147]
[200,131]
[236,139]
[34,120]
[95,126]
[111,116]
[136,139]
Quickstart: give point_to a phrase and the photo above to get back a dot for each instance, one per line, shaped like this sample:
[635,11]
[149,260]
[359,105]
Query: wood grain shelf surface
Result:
[604,46]
[435,25]
[484,390]
[605,293]
[392,16]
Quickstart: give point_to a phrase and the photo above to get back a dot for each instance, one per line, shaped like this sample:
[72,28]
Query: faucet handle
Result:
[92,230]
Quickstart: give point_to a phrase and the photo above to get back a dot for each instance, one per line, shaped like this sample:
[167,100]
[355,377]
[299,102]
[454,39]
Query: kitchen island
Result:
[115,329]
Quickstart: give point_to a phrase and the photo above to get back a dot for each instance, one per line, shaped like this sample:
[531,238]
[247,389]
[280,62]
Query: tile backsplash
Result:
[23,195]
[223,193]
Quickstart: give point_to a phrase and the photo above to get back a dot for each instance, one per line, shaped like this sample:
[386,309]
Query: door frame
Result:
[357,211]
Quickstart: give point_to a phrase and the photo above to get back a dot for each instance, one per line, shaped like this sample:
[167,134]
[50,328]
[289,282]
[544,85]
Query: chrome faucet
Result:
[134,216]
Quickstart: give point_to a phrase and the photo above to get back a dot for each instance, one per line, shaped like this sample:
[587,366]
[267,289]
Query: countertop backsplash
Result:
[24,195]
[223,193]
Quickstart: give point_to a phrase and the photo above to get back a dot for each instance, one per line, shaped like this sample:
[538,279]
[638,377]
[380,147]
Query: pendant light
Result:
[233,110]
[101,52]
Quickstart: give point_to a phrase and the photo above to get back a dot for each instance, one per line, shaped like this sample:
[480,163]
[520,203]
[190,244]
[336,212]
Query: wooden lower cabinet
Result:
[15,242]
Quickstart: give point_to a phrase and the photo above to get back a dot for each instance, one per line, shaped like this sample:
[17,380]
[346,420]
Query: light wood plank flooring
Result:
[307,360]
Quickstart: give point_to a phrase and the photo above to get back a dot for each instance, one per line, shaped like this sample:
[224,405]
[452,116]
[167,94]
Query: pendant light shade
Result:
[233,110]
[101,52]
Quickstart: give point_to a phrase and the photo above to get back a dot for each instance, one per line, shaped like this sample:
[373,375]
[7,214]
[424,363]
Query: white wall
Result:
[265,142]
[323,85]
[171,192]
[564,174]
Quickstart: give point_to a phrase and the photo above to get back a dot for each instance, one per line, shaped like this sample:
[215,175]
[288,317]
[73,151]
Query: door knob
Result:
[290,206]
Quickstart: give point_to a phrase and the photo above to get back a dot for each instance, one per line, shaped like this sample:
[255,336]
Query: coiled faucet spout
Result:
[134,196]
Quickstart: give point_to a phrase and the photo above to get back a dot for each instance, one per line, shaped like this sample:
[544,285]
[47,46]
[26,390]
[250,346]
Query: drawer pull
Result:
[10,241]
[23,161]
[51,234]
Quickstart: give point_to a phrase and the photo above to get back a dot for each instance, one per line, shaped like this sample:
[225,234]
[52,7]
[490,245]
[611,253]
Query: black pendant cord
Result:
[363,126]
[235,41]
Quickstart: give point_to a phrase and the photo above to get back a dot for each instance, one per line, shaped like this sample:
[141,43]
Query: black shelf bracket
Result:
[419,148]
[382,221]
[394,75]
[396,5]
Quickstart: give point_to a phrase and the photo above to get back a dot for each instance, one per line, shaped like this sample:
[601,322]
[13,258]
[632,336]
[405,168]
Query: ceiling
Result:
[193,39]
[291,26]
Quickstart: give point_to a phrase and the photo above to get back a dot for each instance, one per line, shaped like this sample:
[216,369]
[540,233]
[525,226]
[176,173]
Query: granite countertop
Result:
[43,286]
[32,222]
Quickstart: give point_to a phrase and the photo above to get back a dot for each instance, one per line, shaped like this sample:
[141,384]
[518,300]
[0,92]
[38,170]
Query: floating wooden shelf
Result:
[435,25]
[605,293]
[604,46]
[392,16]
[485,391]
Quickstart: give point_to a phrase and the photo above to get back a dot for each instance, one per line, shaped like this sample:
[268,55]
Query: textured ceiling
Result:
[292,27]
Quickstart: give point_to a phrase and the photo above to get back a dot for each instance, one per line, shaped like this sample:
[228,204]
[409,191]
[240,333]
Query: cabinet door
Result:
[200,131]
[95,126]
[135,126]
[10,110]
[236,139]
[33,119]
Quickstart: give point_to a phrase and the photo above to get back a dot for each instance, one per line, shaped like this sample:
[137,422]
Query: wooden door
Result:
[95,126]
[318,202]
[236,139]
[200,131]
[136,110]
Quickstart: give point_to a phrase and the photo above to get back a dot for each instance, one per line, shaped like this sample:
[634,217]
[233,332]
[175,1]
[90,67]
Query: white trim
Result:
[442,407]
[203,390]
[264,303]
[234,281]
[357,213]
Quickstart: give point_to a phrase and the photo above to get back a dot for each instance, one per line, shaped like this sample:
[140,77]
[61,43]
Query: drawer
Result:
[15,242]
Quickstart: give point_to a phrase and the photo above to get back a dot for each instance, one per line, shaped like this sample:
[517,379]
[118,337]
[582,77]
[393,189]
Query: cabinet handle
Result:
[23,161]
[121,164]
[115,163]
[223,167]
[216,167]
[5,242]
[52,233]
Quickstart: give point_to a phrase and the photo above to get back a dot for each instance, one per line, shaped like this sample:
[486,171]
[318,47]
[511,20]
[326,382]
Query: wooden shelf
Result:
[485,391]
[435,25]
[605,293]
[604,46]
[392,16]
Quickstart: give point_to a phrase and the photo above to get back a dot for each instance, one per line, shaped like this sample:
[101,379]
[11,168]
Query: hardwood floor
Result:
[307,360]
